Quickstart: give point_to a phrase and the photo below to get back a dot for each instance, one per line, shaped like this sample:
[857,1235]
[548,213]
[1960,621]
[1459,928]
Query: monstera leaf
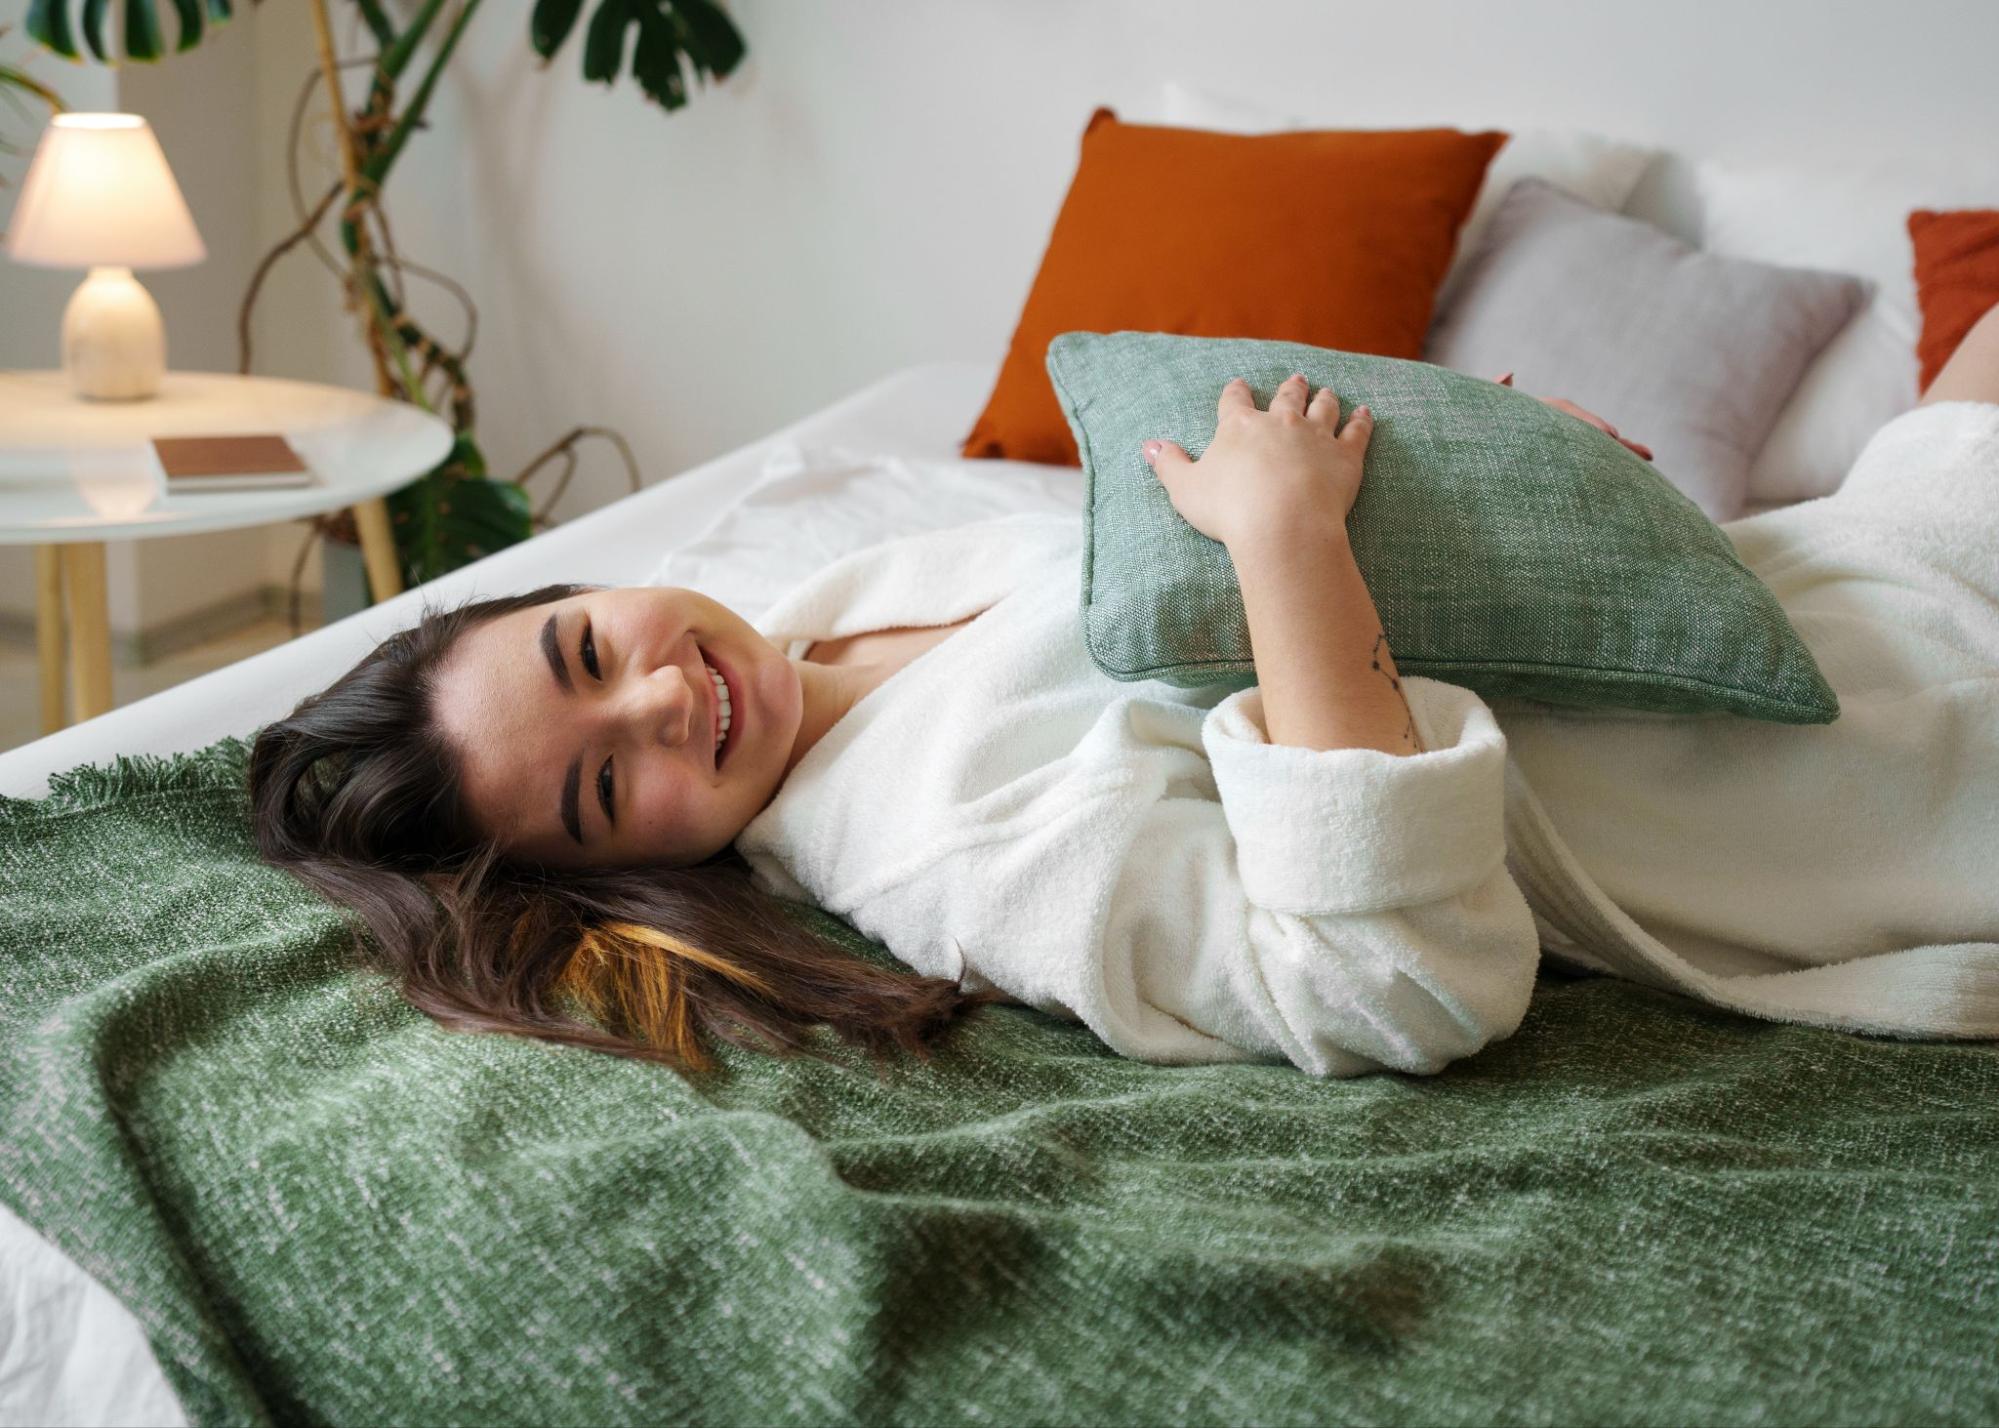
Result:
[49,22]
[456,514]
[668,31]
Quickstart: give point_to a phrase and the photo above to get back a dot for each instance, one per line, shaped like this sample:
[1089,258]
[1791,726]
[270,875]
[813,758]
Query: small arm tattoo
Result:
[1409,735]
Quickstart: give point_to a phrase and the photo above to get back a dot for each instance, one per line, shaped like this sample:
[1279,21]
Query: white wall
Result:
[876,186]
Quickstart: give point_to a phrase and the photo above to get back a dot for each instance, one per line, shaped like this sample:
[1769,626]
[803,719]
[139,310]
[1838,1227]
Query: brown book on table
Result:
[230,463]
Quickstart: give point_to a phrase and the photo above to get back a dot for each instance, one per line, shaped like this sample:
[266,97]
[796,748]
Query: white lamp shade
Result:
[99,193]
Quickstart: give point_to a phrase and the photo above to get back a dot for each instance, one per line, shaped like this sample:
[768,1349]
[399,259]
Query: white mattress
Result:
[879,464]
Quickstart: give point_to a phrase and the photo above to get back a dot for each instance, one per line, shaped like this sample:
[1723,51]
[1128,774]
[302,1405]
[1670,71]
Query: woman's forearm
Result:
[1323,665]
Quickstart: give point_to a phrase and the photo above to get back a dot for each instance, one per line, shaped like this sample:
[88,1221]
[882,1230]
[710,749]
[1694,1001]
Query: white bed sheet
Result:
[741,528]
[814,503]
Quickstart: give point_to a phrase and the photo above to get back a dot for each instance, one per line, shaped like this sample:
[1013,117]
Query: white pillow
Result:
[1852,218]
[1595,169]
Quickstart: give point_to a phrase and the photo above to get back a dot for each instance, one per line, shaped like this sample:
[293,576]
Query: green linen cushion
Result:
[1509,548]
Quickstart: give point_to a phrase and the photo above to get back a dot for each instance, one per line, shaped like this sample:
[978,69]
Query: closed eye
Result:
[606,791]
[587,652]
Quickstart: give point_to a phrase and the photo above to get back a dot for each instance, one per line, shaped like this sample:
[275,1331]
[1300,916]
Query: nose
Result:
[660,707]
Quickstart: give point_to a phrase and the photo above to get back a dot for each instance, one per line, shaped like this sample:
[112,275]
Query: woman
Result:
[561,813]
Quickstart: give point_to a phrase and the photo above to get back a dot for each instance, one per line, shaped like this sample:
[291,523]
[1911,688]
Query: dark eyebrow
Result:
[570,782]
[552,647]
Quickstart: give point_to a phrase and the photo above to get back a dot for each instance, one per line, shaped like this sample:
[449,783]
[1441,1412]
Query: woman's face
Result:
[585,728]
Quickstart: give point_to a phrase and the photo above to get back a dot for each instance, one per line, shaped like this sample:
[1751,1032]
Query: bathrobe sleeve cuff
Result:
[1358,830]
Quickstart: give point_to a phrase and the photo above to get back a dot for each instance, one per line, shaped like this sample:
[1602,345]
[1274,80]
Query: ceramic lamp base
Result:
[114,345]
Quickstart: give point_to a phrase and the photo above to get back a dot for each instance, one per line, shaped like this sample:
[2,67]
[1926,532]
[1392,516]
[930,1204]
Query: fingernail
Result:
[1150,449]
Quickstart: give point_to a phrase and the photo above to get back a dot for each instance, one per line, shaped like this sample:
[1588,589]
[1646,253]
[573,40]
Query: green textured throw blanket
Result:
[326,1210]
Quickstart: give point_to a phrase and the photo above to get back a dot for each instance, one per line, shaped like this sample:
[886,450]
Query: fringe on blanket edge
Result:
[221,765]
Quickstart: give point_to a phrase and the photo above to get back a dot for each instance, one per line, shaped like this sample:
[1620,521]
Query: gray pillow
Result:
[1690,353]
[1509,548]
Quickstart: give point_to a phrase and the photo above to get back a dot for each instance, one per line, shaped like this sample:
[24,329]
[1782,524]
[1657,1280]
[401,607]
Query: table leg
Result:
[48,633]
[378,549]
[89,628]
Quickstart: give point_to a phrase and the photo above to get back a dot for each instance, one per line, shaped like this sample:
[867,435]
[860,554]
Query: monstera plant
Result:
[458,511]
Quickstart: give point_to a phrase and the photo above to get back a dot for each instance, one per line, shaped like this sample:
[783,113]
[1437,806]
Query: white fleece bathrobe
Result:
[1141,856]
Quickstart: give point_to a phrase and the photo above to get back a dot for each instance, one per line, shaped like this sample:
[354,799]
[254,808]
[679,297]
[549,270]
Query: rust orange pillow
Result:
[1957,279]
[1334,238]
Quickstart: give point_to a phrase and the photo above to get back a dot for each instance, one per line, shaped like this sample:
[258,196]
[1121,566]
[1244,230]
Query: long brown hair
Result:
[357,793]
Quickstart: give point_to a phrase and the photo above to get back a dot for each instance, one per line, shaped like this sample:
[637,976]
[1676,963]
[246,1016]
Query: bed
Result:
[241,1183]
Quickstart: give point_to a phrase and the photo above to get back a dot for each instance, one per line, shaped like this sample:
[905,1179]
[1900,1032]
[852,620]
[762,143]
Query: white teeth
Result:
[722,696]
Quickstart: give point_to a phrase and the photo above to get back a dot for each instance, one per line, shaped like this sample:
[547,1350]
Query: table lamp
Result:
[99,195]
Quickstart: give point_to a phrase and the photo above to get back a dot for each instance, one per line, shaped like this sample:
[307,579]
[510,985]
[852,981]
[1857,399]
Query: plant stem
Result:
[360,282]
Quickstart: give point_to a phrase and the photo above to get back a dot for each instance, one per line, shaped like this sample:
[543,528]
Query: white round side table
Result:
[75,473]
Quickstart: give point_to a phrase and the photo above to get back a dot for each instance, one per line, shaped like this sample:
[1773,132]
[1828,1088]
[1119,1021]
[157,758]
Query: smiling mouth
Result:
[724,710]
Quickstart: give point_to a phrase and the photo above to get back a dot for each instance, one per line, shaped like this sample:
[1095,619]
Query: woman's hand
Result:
[1286,468]
[1275,487]
[1560,405]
